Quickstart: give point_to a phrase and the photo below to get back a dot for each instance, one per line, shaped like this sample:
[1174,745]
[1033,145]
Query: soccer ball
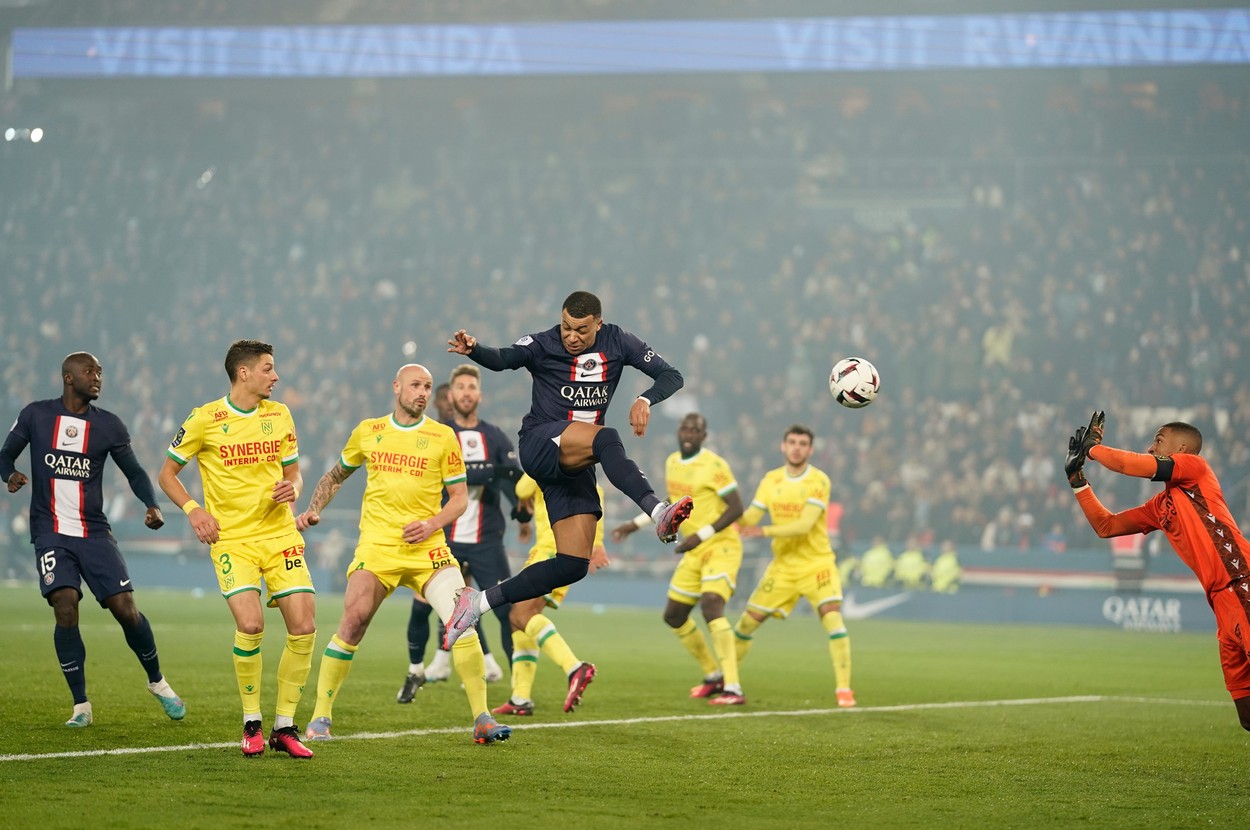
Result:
[854,382]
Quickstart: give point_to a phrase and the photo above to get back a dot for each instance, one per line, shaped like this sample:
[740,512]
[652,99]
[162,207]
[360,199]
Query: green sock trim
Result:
[241,653]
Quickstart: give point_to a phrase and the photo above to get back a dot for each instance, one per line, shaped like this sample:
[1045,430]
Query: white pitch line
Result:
[858,710]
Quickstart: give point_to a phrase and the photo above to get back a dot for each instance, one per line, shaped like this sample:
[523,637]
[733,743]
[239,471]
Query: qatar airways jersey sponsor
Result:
[67,455]
[580,387]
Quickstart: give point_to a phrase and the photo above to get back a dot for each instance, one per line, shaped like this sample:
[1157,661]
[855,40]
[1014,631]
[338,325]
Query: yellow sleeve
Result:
[752,515]
[290,445]
[800,526]
[452,461]
[187,442]
[351,458]
[526,487]
[598,525]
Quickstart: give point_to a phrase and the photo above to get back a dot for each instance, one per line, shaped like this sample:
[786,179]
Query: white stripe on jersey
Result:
[67,508]
[467,530]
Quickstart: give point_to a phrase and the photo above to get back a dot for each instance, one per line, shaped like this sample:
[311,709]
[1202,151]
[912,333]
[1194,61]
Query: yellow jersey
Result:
[705,477]
[241,455]
[407,465]
[784,498]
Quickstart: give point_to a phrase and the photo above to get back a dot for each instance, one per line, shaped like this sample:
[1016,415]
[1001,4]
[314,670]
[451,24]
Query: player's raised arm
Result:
[495,359]
[461,343]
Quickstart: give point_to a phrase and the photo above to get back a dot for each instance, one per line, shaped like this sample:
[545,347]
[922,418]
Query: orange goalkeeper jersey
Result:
[1190,511]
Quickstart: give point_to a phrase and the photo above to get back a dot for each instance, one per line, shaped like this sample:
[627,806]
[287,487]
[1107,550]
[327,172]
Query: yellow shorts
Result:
[781,587]
[555,596]
[711,568]
[407,565]
[279,562]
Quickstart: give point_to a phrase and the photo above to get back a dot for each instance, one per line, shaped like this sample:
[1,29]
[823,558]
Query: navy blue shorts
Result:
[68,561]
[566,495]
[486,562]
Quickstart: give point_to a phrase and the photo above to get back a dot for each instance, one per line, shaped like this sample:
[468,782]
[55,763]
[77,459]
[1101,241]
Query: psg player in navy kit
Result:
[576,367]
[69,440]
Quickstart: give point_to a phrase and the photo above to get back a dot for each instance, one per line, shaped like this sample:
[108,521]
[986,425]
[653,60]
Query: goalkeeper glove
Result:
[1079,445]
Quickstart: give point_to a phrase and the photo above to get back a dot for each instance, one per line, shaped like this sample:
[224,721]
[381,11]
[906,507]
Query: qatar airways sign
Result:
[1176,37]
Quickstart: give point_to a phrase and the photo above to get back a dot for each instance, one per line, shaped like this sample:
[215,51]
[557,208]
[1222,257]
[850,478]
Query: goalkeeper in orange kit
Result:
[1191,512]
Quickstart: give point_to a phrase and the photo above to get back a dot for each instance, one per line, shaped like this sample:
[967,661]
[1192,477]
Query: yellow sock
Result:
[293,671]
[694,641]
[726,650]
[466,656]
[524,665]
[839,648]
[743,631]
[247,669]
[336,662]
[543,631]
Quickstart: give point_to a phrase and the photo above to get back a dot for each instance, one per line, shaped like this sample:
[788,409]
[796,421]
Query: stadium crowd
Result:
[1010,252]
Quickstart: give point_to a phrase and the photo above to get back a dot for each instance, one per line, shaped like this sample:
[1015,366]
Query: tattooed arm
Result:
[327,487]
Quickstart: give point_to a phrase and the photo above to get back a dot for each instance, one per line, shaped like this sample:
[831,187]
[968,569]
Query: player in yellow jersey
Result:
[712,555]
[248,455]
[796,497]
[409,458]
[532,632]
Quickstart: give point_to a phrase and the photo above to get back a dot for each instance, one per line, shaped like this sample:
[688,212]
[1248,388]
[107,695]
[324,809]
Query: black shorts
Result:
[566,495]
[68,561]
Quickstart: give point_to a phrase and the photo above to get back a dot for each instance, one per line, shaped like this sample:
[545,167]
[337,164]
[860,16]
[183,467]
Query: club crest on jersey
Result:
[266,427]
[422,442]
[71,434]
[590,367]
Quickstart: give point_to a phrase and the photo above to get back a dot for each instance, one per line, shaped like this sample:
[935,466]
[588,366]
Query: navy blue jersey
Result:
[486,451]
[579,387]
[67,454]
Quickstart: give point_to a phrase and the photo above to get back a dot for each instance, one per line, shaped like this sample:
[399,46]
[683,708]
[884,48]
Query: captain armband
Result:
[1164,468]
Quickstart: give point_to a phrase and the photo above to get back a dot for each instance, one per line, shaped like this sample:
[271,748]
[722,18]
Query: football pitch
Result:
[957,726]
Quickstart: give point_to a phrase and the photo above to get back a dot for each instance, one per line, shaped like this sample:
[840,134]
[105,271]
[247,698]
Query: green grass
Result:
[1158,746]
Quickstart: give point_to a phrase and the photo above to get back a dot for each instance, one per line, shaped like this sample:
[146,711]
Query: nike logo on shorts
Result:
[125,582]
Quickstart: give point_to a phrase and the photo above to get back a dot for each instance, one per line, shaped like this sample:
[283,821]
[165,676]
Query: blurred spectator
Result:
[876,567]
[911,569]
[946,572]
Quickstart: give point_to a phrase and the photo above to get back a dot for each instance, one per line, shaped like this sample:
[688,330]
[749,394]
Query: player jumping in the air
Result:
[576,367]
